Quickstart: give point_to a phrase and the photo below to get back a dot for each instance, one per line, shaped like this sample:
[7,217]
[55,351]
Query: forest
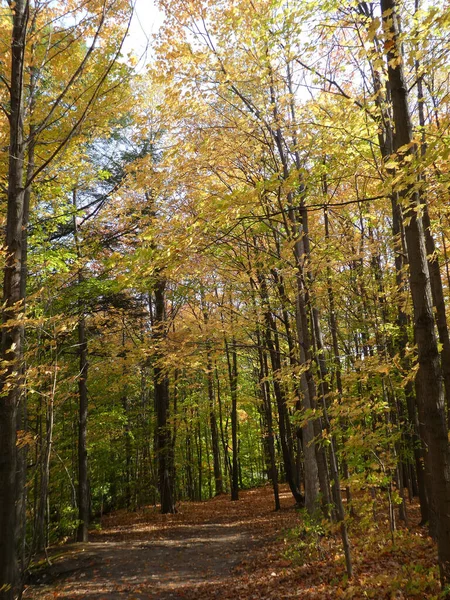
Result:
[226,277]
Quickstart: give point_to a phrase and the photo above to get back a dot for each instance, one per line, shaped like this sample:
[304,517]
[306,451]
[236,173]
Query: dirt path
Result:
[234,551]
[200,552]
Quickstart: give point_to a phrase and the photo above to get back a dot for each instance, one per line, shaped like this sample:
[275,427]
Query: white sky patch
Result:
[147,20]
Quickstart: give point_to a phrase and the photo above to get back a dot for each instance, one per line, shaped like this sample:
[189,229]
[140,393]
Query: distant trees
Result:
[298,157]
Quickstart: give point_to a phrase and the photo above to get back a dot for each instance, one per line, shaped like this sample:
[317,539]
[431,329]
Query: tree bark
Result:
[429,386]
[386,143]
[270,331]
[161,387]
[11,346]
[218,482]
[233,376]
[267,407]
[83,484]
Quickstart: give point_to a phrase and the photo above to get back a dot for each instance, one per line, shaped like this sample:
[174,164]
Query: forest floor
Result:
[236,550]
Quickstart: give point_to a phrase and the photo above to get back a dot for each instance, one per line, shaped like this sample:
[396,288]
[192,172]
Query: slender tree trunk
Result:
[233,375]
[173,435]
[198,439]
[309,446]
[127,431]
[306,334]
[83,484]
[128,457]
[223,432]
[41,537]
[335,346]
[22,423]
[161,386]
[267,407]
[270,330]
[190,488]
[316,473]
[214,430]
[295,364]
[218,482]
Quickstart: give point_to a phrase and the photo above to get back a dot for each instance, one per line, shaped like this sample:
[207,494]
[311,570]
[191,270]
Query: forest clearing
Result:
[226,283]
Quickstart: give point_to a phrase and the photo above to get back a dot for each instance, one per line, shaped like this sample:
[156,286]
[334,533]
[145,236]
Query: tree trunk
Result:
[316,473]
[11,346]
[429,386]
[83,485]
[386,143]
[223,432]
[218,482]
[161,386]
[41,538]
[127,416]
[21,477]
[309,434]
[437,289]
[267,407]
[198,439]
[233,375]
[269,331]
[214,430]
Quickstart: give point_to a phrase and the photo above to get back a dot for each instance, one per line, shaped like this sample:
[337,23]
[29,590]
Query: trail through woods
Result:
[228,550]
[192,554]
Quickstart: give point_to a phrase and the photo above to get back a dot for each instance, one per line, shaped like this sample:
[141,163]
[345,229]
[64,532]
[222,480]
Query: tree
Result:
[24,19]
[430,393]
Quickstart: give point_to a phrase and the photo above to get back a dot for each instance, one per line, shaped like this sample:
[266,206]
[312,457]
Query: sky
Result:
[146,22]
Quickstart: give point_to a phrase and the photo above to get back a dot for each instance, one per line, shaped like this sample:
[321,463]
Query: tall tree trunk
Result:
[11,346]
[83,484]
[173,434]
[294,359]
[190,488]
[429,386]
[308,389]
[335,346]
[316,471]
[22,424]
[437,289]
[386,144]
[198,440]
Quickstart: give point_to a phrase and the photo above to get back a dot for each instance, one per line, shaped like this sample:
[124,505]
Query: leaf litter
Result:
[233,550]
